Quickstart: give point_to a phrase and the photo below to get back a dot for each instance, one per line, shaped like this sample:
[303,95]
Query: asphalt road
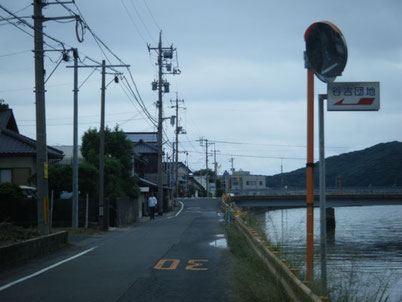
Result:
[173,258]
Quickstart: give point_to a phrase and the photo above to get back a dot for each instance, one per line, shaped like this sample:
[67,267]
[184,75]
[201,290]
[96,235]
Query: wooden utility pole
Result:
[41,152]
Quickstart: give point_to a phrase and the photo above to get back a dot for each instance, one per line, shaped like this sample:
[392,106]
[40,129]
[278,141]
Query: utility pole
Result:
[177,132]
[164,54]
[215,167]
[282,183]
[103,204]
[160,120]
[42,182]
[41,152]
[187,175]
[232,165]
[206,166]
[75,143]
[202,140]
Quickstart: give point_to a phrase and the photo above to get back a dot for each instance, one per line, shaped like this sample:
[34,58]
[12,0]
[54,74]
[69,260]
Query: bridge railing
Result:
[330,190]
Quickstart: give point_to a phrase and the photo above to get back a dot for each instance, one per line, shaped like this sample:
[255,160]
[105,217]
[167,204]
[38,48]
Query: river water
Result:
[364,254]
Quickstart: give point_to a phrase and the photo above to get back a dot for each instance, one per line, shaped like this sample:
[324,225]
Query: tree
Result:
[219,189]
[202,172]
[118,161]
[60,179]
[10,192]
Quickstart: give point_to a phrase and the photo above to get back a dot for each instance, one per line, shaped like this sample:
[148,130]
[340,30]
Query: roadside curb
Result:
[15,253]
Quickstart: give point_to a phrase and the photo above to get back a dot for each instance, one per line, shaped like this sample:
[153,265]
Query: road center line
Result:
[45,269]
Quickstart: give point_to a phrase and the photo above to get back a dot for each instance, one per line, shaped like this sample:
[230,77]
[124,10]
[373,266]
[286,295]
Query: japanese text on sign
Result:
[353,91]
[353,96]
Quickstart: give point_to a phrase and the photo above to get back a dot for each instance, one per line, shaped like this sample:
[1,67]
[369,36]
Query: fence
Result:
[123,211]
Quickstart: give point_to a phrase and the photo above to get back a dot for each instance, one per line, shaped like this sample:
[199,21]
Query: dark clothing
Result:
[152,213]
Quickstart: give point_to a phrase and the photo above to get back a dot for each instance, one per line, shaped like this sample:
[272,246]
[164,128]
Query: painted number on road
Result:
[167,264]
[172,264]
[196,265]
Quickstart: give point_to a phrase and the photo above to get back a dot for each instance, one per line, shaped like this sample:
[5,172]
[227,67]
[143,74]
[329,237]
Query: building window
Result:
[260,183]
[5,175]
[247,183]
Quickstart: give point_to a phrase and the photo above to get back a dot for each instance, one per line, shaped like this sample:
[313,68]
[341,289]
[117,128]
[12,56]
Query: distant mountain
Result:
[380,165]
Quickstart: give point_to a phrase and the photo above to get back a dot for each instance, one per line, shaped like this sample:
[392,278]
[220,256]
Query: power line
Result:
[132,20]
[85,123]
[100,43]
[14,53]
[269,145]
[147,118]
[30,26]
[139,17]
[149,10]
[253,156]
[139,101]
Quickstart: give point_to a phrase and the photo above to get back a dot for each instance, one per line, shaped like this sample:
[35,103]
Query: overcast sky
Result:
[243,78]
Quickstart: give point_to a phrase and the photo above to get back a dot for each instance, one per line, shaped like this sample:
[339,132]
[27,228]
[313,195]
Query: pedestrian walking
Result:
[152,202]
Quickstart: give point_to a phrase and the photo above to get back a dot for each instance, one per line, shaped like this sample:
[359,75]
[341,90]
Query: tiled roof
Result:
[7,120]
[145,148]
[144,181]
[148,137]
[13,143]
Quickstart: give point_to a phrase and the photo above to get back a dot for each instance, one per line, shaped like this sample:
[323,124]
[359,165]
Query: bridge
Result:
[335,199]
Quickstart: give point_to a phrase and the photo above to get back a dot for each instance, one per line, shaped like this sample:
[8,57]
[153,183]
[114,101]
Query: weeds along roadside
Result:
[251,278]
[340,289]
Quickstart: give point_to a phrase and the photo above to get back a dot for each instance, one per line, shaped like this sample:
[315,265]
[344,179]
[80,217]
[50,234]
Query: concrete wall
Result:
[16,253]
[126,211]
[294,288]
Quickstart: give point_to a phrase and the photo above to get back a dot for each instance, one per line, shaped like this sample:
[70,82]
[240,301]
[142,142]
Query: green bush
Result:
[10,192]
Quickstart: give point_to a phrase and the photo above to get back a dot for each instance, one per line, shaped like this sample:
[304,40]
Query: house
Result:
[68,151]
[244,183]
[145,146]
[18,152]
[184,175]
[145,156]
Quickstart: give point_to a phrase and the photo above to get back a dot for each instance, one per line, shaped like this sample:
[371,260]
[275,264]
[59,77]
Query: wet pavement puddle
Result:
[221,242]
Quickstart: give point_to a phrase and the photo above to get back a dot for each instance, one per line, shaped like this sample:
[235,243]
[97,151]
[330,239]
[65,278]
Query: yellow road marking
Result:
[173,264]
[194,265]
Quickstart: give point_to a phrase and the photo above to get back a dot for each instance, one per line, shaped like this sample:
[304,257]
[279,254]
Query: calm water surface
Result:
[364,253]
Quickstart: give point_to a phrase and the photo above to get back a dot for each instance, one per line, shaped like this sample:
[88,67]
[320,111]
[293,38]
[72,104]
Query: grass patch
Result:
[251,278]
[10,233]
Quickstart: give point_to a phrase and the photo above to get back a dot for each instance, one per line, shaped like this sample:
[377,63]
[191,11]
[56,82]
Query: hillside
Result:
[379,165]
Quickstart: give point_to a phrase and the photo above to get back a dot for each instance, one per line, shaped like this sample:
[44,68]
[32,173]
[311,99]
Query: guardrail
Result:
[330,190]
[294,287]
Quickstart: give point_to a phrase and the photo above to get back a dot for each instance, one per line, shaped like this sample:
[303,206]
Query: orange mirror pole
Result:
[309,175]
